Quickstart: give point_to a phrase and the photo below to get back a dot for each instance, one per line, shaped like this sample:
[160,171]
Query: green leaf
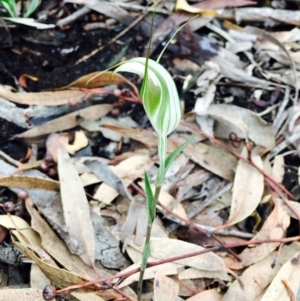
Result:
[176,153]
[33,5]
[145,256]
[10,7]
[150,200]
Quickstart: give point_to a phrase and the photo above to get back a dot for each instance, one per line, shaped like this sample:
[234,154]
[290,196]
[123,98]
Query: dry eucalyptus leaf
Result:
[163,248]
[248,187]
[38,279]
[136,221]
[128,170]
[24,294]
[278,168]
[55,98]
[80,142]
[290,272]
[56,247]
[165,289]
[243,122]
[213,159]
[76,208]
[252,284]
[274,228]
[59,277]
[68,121]
[12,222]
[147,138]
[97,79]
[211,295]
[29,182]
[169,268]
[193,273]
[106,174]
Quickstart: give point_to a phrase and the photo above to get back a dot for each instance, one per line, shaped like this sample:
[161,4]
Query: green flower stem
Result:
[147,241]
[162,149]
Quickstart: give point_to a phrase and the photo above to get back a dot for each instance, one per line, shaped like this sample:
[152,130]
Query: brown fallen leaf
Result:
[24,294]
[28,182]
[76,208]
[213,159]
[211,295]
[136,222]
[246,196]
[245,123]
[59,277]
[55,98]
[67,121]
[147,138]
[128,170]
[252,284]
[165,289]
[56,247]
[289,272]
[162,248]
[100,79]
[274,228]
[24,232]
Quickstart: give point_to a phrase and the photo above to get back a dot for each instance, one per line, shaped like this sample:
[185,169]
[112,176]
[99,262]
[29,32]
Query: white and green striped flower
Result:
[158,93]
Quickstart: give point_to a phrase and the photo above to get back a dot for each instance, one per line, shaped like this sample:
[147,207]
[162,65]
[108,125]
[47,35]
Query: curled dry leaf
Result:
[67,121]
[252,284]
[99,79]
[274,228]
[165,289]
[76,208]
[246,195]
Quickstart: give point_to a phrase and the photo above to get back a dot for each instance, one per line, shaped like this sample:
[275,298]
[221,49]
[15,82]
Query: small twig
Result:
[122,276]
[74,17]
[289,290]
[187,222]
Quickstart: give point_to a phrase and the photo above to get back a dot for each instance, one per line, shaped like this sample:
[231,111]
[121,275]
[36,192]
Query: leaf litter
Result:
[86,219]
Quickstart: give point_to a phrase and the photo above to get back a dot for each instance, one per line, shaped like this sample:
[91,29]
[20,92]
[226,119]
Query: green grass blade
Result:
[145,256]
[176,153]
[150,199]
[33,5]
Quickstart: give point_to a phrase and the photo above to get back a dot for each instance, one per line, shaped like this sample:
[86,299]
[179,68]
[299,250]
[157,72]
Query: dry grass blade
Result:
[76,208]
